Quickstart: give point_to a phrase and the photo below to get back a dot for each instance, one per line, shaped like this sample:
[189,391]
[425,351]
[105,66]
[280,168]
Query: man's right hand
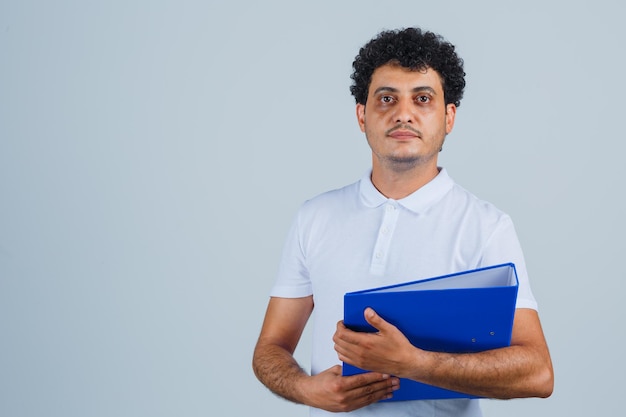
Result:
[276,368]
[331,391]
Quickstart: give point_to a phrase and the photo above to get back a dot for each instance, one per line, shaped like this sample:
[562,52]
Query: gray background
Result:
[153,154]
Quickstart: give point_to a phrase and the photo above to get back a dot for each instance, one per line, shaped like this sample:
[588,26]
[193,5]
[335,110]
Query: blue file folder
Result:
[469,311]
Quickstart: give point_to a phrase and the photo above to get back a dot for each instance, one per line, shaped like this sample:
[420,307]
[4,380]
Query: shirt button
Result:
[379,255]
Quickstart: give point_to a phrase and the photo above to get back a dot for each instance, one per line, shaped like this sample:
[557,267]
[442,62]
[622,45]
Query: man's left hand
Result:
[386,351]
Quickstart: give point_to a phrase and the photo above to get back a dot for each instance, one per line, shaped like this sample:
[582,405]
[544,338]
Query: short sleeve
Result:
[502,247]
[293,280]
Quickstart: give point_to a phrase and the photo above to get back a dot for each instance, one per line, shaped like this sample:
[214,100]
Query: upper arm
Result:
[285,320]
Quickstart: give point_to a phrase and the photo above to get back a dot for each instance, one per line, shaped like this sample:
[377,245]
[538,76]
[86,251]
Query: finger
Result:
[345,337]
[370,396]
[350,345]
[375,391]
[364,379]
[341,329]
[375,320]
[346,349]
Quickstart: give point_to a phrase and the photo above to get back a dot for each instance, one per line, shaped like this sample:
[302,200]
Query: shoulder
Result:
[331,201]
[464,201]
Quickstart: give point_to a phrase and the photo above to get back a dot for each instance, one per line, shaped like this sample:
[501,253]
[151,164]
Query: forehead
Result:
[405,79]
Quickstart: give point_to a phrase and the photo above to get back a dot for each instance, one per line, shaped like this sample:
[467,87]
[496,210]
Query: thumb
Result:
[374,319]
[335,370]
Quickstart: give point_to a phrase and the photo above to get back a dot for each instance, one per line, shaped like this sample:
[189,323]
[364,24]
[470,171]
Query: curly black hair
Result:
[411,48]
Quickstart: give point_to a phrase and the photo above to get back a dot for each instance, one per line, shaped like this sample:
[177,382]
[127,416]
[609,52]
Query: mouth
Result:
[399,134]
[403,133]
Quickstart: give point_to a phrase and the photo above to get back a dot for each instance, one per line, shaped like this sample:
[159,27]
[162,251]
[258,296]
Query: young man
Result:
[405,221]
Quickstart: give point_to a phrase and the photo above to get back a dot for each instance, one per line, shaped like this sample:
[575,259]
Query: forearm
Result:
[277,369]
[274,365]
[512,372]
[523,369]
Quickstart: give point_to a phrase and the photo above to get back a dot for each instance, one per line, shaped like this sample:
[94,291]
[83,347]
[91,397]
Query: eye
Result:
[422,99]
[386,99]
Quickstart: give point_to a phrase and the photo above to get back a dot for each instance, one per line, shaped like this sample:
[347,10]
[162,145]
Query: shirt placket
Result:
[380,254]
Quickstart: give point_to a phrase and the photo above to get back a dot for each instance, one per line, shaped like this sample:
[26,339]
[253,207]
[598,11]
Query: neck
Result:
[397,184]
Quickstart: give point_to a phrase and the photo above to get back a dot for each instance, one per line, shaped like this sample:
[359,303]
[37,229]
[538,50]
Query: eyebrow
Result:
[419,89]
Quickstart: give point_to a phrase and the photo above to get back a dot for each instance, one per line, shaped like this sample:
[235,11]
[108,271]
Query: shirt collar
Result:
[418,202]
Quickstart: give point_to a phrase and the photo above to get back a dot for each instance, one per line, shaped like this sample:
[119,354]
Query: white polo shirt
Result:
[355,238]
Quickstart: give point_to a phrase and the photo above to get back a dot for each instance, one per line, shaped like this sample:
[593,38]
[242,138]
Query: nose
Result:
[404,112]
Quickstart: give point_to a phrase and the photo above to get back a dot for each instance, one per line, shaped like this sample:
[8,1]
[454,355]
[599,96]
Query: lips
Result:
[403,134]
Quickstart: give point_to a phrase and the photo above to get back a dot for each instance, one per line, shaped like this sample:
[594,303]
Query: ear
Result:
[450,115]
[360,116]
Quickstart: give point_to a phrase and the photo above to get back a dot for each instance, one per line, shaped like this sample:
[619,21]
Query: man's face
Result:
[405,119]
